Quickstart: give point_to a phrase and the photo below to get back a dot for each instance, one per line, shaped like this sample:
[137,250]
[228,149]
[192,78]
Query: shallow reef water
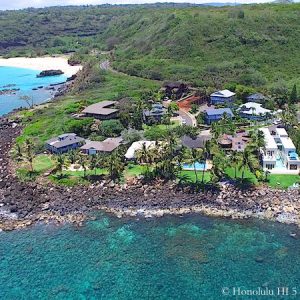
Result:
[173,257]
[25,81]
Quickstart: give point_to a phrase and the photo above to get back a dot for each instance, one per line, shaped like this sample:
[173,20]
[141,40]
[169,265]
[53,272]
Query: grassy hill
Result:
[255,45]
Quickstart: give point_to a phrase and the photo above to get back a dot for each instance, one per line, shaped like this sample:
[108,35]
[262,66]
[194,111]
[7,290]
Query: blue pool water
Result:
[190,257]
[279,163]
[199,166]
[25,80]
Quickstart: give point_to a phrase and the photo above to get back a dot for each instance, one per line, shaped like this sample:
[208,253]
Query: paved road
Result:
[188,118]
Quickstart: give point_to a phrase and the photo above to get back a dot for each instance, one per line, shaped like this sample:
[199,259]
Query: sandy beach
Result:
[41,64]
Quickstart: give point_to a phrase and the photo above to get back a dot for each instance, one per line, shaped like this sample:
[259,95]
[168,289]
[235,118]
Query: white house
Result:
[136,146]
[254,111]
[279,154]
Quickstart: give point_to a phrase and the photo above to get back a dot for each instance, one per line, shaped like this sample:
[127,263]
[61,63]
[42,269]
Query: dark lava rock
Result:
[50,73]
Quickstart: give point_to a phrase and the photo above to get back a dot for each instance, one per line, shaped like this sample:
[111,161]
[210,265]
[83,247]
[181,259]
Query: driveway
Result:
[189,119]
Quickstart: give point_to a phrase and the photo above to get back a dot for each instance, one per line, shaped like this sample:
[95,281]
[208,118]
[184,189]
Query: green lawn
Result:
[134,170]
[248,176]
[283,181]
[56,118]
[80,173]
[42,163]
[191,176]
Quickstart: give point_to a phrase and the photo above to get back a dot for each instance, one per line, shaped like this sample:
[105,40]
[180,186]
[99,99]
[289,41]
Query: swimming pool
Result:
[199,166]
[279,163]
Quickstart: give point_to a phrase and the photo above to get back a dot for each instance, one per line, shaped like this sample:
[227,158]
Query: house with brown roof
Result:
[106,146]
[236,142]
[102,110]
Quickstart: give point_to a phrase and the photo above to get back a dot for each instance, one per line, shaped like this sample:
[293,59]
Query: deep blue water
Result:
[190,257]
[25,80]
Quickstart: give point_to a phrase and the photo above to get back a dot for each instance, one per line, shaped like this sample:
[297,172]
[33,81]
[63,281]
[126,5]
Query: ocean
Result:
[25,80]
[189,257]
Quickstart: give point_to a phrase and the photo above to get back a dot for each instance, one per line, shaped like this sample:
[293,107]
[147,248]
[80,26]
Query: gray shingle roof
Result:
[219,111]
[64,140]
[107,145]
[101,108]
[199,142]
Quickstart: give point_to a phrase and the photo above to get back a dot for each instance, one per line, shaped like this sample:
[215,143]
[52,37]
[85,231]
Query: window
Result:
[269,166]
[293,167]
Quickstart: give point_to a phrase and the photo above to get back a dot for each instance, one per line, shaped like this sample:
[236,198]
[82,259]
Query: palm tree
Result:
[115,165]
[29,153]
[73,156]
[142,156]
[60,163]
[235,160]
[100,161]
[248,160]
[180,155]
[83,161]
[205,157]
[219,166]
[196,155]
[93,163]
[19,153]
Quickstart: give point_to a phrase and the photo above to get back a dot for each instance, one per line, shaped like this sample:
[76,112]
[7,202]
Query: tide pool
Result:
[190,257]
[25,80]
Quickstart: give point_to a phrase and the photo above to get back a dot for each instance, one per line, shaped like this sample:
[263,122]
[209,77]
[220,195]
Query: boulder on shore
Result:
[50,73]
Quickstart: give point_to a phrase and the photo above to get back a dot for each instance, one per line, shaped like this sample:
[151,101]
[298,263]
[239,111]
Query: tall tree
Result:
[82,160]
[29,153]
[115,165]
[28,100]
[60,163]
[293,95]
[92,162]
[18,154]
[73,156]
[235,160]
[248,160]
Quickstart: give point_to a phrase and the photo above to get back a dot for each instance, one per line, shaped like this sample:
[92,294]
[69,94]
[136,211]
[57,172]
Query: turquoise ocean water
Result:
[25,80]
[190,257]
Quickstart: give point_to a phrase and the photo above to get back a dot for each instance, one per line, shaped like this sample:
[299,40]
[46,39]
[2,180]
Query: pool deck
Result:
[284,171]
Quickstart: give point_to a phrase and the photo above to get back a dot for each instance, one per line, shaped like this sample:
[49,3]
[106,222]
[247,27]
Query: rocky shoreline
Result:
[23,204]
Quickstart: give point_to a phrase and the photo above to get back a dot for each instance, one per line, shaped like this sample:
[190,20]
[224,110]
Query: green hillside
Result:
[255,45]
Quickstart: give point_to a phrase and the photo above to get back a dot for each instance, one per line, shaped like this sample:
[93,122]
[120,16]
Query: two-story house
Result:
[222,97]
[214,115]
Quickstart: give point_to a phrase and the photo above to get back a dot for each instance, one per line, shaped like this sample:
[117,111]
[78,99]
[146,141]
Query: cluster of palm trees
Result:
[165,159]
[26,153]
[113,162]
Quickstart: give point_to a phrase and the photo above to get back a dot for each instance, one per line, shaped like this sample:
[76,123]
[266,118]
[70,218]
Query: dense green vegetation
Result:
[42,124]
[254,45]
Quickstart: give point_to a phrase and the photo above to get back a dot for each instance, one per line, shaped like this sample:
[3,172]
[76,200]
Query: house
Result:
[279,154]
[257,97]
[236,142]
[64,143]
[154,115]
[175,90]
[254,111]
[214,115]
[136,146]
[102,110]
[222,97]
[106,146]
[198,142]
